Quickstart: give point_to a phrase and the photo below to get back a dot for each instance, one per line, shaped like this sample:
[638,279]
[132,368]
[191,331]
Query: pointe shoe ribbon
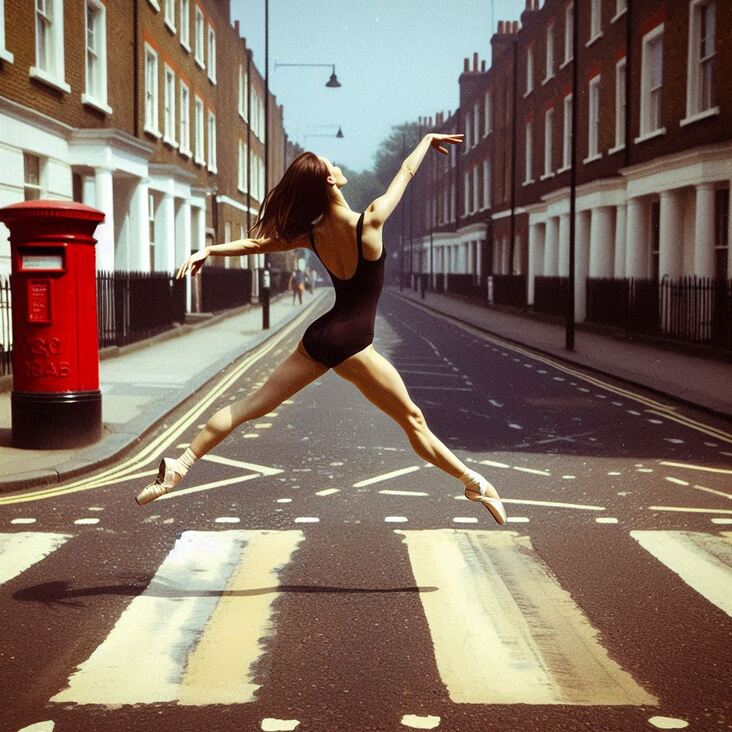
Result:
[492,503]
[165,482]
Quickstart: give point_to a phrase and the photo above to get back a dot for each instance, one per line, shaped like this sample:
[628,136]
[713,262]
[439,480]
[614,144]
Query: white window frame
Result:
[211,130]
[646,131]
[528,152]
[99,100]
[37,187]
[620,8]
[152,121]
[170,16]
[51,24]
[199,33]
[486,184]
[185,24]
[568,34]
[211,35]
[595,21]
[185,119]
[593,120]
[467,134]
[5,55]
[476,123]
[548,143]
[620,111]
[169,93]
[155,6]
[566,133]
[255,114]
[529,70]
[488,127]
[694,110]
[466,192]
[476,183]
[198,131]
[549,71]
[242,168]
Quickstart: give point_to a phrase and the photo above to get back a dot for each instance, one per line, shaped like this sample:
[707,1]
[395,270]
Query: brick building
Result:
[151,110]
[654,146]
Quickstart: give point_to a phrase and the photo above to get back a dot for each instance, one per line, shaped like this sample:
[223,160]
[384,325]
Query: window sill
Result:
[212,170]
[615,149]
[44,76]
[170,27]
[711,112]
[185,152]
[566,62]
[96,103]
[527,92]
[650,135]
[155,5]
[5,55]
[200,161]
[212,79]
[593,39]
[546,79]
[563,170]
[619,15]
[185,45]
[528,182]
[170,142]
[155,133]
[592,158]
[546,176]
[200,63]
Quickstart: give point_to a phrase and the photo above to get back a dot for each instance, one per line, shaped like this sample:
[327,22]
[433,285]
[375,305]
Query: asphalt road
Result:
[315,574]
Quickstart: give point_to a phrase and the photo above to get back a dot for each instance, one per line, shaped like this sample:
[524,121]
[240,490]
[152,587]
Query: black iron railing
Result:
[467,285]
[509,290]
[550,295]
[6,327]
[225,288]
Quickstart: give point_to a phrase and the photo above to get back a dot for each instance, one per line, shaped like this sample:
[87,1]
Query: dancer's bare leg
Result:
[382,385]
[294,373]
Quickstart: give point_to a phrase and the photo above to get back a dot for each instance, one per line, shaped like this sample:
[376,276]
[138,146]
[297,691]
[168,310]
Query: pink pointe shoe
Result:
[492,503]
[165,482]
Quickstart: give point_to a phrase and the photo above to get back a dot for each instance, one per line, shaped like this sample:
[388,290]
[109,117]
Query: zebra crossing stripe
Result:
[22,549]
[504,631]
[185,619]
[703,561]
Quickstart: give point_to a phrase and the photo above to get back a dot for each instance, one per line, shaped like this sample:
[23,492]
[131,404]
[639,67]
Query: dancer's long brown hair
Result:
[290,208]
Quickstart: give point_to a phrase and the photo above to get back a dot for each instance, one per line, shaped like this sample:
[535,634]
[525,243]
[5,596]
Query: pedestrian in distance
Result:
[307,209]
[297,285]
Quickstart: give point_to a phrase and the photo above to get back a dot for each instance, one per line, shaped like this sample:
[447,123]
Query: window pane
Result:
[31,169]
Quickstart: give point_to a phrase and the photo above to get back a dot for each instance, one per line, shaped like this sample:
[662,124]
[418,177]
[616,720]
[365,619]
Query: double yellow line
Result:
[653,407]
[153,450]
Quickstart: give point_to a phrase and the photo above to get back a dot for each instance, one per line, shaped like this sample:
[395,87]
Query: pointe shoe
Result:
[165,482]
[492,503]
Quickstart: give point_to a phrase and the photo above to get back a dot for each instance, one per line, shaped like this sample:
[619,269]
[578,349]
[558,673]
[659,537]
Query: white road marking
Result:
[668,722]
[263,469]
[696,467]
[703,561]
[270,724]
[250,435]
[386,476]
[633,412]
[206,487]
[494,464]
[428,373]
[465,520]
[673,440]
[307,520]
[86,521]
[284,500]
[678,481]
[614,472]
[553,504]
[182,639]
[606,520]
[46,726]
[403,493]
[515,426]
[416,721]
[22,549]
[683,509]
[227,520]
[335,463]
[498,600]
[722,520]
[495,403]
[531,470]
[23,521]
[440,388]
[569,477]
[95,508]
[328,492]
[263,426]
[517,520]
[395,519]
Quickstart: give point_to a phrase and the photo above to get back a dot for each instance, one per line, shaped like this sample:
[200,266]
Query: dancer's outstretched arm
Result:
[382,207]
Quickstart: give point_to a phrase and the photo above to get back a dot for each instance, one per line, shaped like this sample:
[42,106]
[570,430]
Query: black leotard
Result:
[348,327]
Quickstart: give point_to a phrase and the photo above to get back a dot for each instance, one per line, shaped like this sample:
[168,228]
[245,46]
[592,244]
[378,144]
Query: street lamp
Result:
[338,134]
[331,83]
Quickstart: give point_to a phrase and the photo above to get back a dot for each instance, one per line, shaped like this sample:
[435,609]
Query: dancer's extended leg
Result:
[382,385]
[294,373]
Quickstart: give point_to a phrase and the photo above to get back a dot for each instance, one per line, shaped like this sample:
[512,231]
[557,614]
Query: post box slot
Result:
[41,260]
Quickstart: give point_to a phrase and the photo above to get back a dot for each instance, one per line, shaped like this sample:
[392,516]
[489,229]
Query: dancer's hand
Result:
[193,264]
[436,139]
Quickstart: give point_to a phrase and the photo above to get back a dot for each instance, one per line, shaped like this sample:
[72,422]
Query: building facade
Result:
[150,110]
[653,145]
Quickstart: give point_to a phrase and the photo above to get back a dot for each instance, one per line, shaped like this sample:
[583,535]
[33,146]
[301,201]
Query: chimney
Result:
[236,27]
[500,27]
[475,61]
[466,65]
[482,65]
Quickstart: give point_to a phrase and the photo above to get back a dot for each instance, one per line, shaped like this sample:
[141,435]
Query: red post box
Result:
[56,401]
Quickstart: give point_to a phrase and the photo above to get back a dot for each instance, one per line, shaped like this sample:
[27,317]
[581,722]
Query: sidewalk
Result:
[145,383]
[699,381]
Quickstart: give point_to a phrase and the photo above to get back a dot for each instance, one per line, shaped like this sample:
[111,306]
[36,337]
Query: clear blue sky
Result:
[397,60]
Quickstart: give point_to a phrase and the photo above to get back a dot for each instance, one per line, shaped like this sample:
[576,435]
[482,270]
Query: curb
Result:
[115,444]
[551,354]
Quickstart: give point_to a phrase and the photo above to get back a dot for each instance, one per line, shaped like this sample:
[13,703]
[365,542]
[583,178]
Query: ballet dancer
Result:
[306,209]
